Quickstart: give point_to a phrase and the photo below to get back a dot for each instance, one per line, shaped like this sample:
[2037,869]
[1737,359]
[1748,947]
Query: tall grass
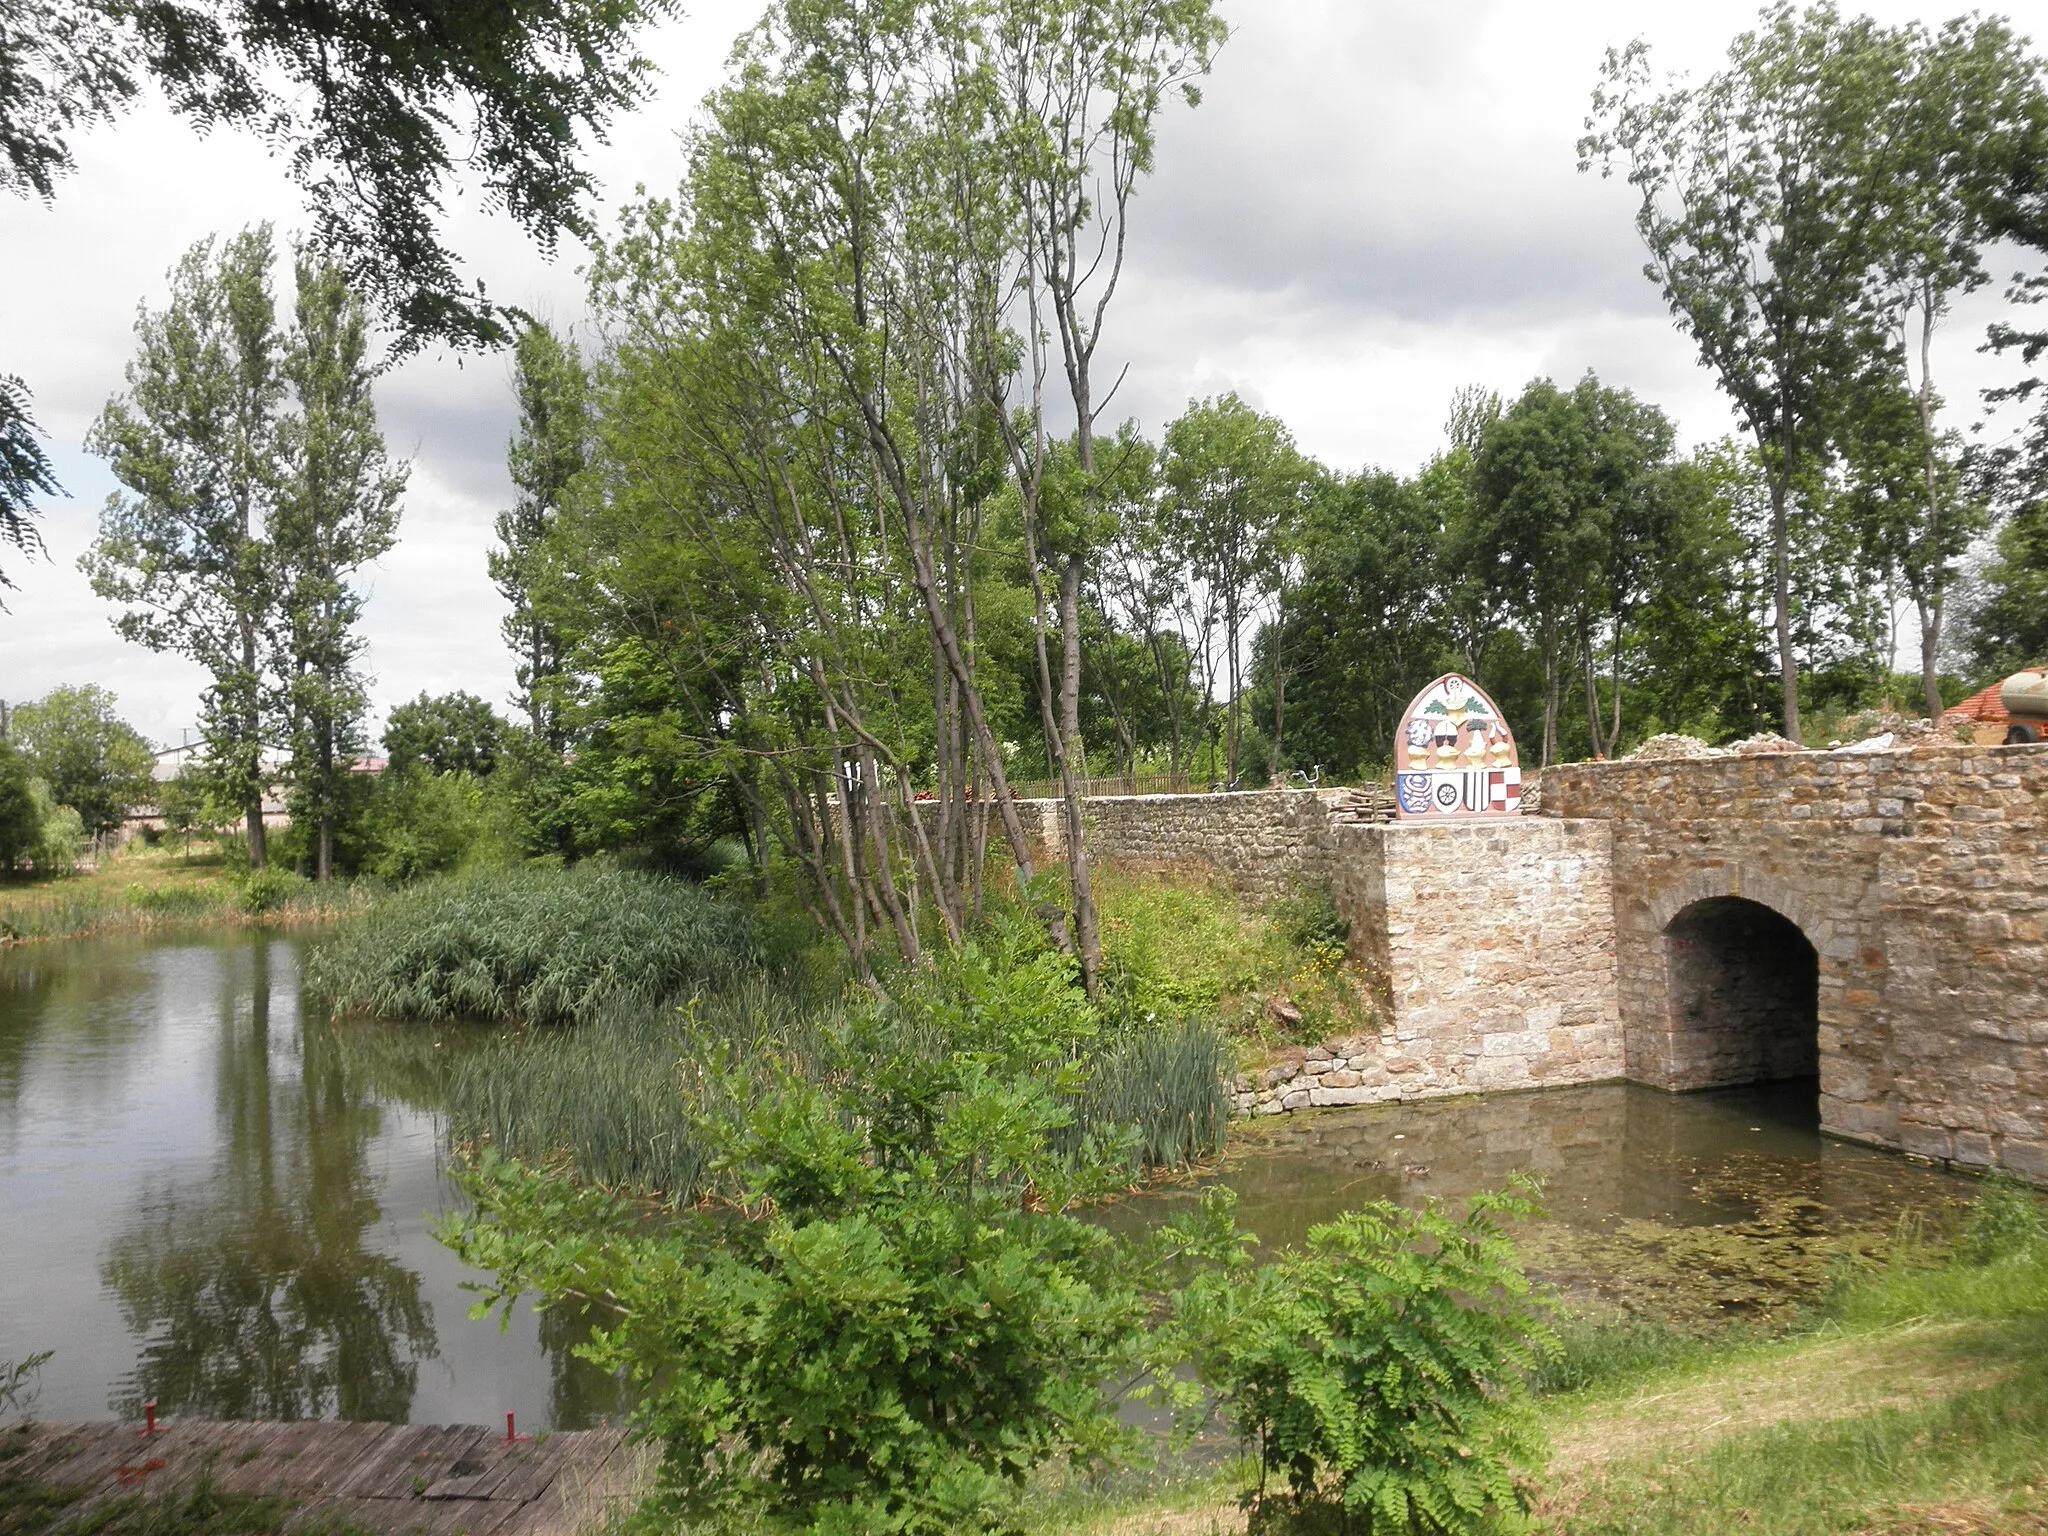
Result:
[86,909]
[1166,1081]
[536,946]
[621,1097]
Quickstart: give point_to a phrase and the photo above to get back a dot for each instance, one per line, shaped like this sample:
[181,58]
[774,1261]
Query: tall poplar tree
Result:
[184,545]
[549,450]
[337,510]
[1758,212]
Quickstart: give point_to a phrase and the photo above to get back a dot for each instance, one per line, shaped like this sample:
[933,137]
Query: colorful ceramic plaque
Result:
[1454,756]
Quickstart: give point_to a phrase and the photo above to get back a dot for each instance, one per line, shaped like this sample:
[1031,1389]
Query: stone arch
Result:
[1743,989]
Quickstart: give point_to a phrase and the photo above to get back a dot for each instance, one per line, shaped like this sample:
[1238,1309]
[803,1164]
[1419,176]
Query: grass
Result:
[534,945]
[1180,943]
[1910,1398]
[143,889]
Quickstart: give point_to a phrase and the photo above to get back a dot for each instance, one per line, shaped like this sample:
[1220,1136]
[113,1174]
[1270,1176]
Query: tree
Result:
[25,472]
[449,733]
[1569,514]
[1962,109]
[194,444]
[376,107]
[549,451]
[20,823]
[1757,212]
[336,512]
[91,759]
[1366,622]
[1238,484]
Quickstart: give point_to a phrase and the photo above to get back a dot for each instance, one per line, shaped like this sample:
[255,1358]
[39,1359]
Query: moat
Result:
[213,1198]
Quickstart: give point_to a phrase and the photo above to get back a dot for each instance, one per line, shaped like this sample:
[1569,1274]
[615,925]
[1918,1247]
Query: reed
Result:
[535,946]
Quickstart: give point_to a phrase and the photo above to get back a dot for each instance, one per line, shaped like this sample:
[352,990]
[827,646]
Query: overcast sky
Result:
[1376,202]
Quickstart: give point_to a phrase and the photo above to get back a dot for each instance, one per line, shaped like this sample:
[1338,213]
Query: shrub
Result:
[542,946]
[898,1319]
[1386,1365]
[265,890]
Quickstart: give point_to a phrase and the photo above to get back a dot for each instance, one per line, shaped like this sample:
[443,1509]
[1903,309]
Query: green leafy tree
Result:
[1569,516]
[184,545]
[20,818]
[1391,1356]
[1238,486]
[1757,211]
[445,733]
[91,759]
[337,510]
[1367,622]
[375,110]
[549,451]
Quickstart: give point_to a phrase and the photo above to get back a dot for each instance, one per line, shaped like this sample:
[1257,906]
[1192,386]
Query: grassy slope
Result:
[138,889]
[1182,943]
[1912,1400]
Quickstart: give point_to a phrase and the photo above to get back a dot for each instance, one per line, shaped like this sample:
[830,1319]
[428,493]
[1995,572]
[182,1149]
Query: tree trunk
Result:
[1087,926]
[1230,675]
[1930,656]
[1781,562]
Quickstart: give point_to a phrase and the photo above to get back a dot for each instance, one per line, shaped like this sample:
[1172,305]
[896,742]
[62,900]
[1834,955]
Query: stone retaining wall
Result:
[1489,947]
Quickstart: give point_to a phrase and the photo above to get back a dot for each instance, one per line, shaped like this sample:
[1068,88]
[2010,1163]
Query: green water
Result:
[213,1198]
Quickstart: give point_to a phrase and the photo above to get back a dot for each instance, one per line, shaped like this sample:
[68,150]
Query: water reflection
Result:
[216,1202]
[256,1283]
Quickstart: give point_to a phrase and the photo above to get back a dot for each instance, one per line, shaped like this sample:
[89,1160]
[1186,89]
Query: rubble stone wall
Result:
[1919,878]
[1489,946]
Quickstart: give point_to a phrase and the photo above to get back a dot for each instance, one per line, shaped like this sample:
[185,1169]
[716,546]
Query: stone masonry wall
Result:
[1266,843]
[1919,878]
[1490,948]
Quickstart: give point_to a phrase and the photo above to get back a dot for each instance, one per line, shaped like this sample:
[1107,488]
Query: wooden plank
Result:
[326,1457]
[47,1448]
[247,1467]
[574,1455]
[414,1459]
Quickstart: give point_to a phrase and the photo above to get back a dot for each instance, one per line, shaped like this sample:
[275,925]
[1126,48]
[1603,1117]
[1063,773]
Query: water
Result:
[212,1198]
[204,1201]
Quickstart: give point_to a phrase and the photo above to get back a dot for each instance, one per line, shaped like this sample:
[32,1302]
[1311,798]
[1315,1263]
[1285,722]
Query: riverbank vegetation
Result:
[145,889]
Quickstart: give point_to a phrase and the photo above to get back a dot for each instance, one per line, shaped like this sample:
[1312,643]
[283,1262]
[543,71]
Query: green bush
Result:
[1384,1367]
[267,889]
[537,945]
[897,1319]
[419,824]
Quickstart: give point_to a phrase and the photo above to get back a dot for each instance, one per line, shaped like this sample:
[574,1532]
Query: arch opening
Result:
[1745,994]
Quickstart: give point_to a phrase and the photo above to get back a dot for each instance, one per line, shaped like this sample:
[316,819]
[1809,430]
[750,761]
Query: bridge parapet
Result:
[1919,876]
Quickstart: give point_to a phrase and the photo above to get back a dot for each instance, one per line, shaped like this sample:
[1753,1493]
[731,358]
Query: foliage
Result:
[449,733]
[60,833]
[25,471]
[373,113]
[537,945]
[416,824]
[337,512]
[1389,1357]
[266,890]
[1568,526]
[552,447]
[20,1380]
[91,759]
[900,1316]
[21,823]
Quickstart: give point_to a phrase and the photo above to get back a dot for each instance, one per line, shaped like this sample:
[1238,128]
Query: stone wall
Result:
[1919,878]
[1489,947]
[1266,843]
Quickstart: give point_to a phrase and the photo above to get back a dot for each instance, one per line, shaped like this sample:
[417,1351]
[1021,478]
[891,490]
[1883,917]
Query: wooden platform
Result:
[446,1480]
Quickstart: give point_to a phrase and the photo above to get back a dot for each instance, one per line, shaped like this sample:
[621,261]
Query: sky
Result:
[1376,203]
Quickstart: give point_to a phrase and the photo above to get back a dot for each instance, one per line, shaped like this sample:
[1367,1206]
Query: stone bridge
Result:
[1878,919]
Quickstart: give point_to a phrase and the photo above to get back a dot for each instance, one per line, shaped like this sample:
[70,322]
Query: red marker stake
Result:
[149,1426]
[512,1436]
